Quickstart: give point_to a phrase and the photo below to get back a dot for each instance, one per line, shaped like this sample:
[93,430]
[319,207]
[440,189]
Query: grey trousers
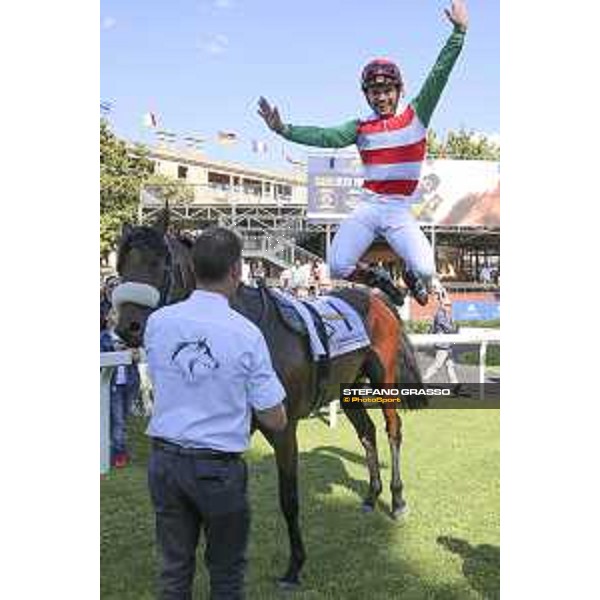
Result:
[191,494]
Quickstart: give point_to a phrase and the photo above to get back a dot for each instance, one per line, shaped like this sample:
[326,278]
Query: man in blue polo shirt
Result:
[210,369]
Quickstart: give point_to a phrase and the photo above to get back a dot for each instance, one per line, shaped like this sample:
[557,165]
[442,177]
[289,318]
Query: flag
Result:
[191,140]
[105,107]
[226,137]
[258,146]
[294,161]
[150,120]
[166,136]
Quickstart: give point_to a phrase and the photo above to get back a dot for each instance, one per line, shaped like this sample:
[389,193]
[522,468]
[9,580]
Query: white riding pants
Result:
[390,218]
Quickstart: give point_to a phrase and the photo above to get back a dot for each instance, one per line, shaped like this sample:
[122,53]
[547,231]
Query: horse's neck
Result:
[252,304]
[183,268]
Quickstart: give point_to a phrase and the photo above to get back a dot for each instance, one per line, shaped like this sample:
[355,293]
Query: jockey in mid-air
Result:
[392,145]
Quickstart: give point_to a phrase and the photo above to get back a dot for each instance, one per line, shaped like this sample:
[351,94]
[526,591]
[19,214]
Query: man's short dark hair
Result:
[215,251]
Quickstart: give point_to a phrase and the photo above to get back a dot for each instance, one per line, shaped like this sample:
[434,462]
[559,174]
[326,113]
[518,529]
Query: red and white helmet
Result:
[381,70]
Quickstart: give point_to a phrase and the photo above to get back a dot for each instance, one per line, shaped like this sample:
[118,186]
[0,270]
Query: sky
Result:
[201,65]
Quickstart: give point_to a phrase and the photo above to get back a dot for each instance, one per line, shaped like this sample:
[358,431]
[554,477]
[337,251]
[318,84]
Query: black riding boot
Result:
[380,278]
[416,286]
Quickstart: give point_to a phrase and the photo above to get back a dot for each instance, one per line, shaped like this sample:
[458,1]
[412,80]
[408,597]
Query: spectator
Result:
[295,276]
[259,274]
[305,275]
[124,388]
[246,273]
[442,323]
[105,295]
[315,277]
[485,275]
[284,279]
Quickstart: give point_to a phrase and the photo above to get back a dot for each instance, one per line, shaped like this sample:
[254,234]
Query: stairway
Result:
[275,248]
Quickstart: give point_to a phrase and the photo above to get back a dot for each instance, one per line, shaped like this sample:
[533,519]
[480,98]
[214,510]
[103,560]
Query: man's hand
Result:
[270,115]
[458,14]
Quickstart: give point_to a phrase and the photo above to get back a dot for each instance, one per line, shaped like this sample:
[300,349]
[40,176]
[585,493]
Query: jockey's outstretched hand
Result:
[270,115]
[458,14]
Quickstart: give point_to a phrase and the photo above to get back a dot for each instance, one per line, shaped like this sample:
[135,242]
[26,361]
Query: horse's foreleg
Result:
[365,430]
[393,426]
[286,454]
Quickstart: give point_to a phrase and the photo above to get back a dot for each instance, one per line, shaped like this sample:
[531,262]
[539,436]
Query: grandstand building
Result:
[280,218]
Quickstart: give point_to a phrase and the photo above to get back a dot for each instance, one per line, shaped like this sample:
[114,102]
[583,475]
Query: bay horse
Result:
[150,255]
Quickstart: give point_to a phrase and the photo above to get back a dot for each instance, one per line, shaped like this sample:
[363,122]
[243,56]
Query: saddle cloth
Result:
[344,328]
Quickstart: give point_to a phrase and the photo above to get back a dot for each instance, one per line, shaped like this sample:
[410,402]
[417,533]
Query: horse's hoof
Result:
[399,512]
[367,507]
[288,585]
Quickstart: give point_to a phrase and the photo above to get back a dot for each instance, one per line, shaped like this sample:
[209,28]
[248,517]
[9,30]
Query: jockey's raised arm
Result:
[392,142]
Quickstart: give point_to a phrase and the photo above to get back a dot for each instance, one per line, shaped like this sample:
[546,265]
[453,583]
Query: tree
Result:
[124,170]
[462,144]
[434,144]
[168,189]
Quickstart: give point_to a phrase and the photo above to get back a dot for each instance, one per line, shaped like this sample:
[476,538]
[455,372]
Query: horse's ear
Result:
[162,221]
[125,229]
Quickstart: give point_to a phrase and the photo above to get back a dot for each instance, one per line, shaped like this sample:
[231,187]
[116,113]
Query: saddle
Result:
[291,318]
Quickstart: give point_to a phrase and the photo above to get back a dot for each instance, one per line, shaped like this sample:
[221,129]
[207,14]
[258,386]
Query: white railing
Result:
[467,337]
[109,360]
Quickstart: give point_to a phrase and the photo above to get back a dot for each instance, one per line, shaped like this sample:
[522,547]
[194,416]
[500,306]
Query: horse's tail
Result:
[408,371]
[407,368]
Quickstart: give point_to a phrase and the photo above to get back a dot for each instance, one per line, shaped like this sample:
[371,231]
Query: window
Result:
[283,191]
[182,172]
[252,186]
[218,181]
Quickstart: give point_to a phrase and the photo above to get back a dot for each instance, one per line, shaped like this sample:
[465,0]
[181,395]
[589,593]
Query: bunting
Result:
[105,107]
[166,136]
[227,137]
[293,161]
[192,140]
[149,119]
[259,146]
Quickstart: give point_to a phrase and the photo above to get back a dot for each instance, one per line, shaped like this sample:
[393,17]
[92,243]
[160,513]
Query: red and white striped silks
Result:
[392,151]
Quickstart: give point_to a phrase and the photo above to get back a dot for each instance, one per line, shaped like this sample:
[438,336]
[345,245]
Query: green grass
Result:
[446,547]
[492,357]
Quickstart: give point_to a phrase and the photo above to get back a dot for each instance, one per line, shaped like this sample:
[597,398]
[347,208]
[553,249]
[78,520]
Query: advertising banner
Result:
[463,310]
[453,192]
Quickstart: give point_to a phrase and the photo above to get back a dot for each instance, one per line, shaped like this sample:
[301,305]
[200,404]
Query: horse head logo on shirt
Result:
[194,357]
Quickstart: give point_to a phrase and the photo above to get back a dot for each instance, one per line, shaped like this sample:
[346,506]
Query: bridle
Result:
[145,294]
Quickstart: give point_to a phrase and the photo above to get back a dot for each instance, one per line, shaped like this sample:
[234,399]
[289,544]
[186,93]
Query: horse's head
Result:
[154,269]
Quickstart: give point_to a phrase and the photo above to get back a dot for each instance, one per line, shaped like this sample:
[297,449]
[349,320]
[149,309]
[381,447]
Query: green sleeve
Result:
[322,137]
[430,93]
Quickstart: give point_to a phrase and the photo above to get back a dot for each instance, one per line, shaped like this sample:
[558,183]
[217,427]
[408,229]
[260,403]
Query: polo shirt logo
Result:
[194,358]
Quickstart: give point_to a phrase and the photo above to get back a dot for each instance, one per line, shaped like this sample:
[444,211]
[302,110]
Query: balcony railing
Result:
[214,193]
[276,248]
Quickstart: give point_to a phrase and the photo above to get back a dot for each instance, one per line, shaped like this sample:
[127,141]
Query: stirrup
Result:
[380,278]
[416,286]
